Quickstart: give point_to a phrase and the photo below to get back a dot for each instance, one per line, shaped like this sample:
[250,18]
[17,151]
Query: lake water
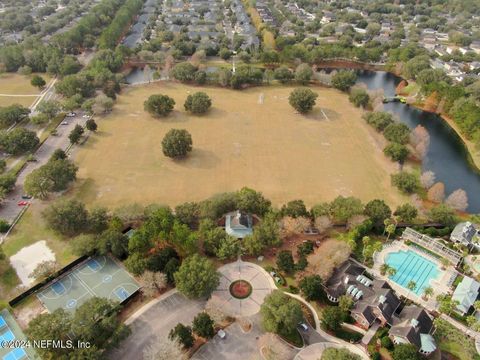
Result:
[446,156]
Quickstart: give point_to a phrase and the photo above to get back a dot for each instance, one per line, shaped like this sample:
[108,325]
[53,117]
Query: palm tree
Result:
[384,268]
[390,229]
[391,272]
[411,285]
[427,292]
[476,305]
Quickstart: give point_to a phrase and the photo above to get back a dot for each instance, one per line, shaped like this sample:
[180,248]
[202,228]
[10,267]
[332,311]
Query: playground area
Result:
[99,276]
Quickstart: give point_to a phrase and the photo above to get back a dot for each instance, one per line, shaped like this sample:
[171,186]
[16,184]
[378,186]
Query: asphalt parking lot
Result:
[157,321]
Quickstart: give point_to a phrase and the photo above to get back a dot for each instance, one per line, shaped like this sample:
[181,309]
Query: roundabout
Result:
[243,287]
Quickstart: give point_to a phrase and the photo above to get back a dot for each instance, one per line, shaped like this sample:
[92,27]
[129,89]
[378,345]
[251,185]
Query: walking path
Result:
[261,283]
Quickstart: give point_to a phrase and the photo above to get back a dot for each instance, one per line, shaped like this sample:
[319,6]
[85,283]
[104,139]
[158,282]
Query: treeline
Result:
[124,16]
[84,34]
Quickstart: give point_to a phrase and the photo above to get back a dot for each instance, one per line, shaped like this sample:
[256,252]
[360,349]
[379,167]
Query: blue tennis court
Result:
[9,331]
[98,276]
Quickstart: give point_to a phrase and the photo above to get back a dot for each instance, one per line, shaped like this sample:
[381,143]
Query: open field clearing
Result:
[249,138]
[16,84]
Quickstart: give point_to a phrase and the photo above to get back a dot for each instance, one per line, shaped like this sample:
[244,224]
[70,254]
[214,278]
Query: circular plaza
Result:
[243,287]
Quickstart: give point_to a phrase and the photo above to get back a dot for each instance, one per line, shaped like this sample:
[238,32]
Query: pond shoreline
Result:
[473,157]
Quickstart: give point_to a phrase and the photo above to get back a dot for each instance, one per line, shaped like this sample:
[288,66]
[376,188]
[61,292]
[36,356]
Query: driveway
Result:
[9,208]
[156,320]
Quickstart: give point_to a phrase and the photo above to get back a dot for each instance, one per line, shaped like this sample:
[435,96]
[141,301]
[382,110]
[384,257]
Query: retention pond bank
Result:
[447,155]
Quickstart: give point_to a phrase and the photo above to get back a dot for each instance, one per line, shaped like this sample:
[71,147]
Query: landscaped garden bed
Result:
[240,289]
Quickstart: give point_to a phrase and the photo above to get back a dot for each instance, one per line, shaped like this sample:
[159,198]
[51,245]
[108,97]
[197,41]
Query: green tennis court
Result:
[98,276]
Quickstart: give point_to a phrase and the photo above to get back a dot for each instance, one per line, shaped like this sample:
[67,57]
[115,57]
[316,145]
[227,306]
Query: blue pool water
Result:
[412,266]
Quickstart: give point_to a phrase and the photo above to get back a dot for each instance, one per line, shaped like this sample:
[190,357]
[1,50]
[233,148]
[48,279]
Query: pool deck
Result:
[439,285]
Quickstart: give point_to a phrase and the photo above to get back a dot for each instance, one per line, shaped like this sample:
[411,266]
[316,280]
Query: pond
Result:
[138,75]
[446,155]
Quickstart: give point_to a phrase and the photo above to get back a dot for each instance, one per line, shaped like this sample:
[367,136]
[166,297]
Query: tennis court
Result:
[98,276]
[9,331]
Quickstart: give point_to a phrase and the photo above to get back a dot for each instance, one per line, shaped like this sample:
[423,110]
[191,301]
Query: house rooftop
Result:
[466,293]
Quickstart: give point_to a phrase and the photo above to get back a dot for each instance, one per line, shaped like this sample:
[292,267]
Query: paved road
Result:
[9,208]
[156,322]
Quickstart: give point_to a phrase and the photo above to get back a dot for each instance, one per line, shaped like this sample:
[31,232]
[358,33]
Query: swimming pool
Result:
[411,266]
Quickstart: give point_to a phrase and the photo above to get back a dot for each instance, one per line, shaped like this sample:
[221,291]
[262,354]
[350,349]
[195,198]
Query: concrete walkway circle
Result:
[261,282]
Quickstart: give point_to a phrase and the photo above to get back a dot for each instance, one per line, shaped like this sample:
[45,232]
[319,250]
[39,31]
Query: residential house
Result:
[465,234]
[466,294]
[413,326]
[375,300]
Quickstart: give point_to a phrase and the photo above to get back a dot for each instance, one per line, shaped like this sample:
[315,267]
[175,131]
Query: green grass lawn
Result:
[456,349]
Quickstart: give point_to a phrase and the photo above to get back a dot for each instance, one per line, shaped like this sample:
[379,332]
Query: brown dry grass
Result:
[240,142]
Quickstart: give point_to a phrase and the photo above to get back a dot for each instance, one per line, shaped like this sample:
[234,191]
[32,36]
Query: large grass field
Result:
[249,138]
[16,84]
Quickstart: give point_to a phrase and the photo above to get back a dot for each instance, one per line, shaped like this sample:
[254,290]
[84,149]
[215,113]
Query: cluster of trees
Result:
[161,105]
[12,114]
[123,17]
[18,141]
[398,134]
[86,31]
[280,313]
[95,322]
[202,326]
[459,101]
[54,176]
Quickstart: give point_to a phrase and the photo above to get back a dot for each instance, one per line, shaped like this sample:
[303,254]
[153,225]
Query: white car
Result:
[303,326]
[64,123]
[86,116]
[221,334]
[71,114]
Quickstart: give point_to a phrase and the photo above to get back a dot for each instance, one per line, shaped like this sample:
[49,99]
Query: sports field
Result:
[16,84]
[99,276]
[249,138]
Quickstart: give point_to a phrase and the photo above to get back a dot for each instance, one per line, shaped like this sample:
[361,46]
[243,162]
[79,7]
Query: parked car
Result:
[86,116]
[64,123]
[71,114]
[26,196]
[22,203]
[303,326]
[221,334]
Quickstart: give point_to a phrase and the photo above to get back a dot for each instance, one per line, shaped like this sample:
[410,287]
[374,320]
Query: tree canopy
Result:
[159,105]
[302,99]
[177,143]
[196,277]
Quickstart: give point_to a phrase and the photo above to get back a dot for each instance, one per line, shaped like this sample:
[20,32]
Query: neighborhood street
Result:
[9,208]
